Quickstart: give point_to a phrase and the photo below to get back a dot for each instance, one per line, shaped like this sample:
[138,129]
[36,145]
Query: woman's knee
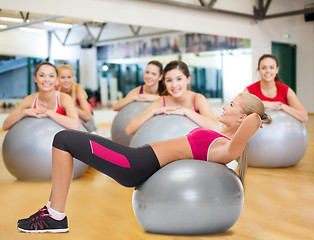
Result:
[60,139]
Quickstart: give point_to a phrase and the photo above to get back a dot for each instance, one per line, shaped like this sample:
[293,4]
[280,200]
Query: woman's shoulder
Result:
[31,96]
[254,88]
[160,99]
[66,100]
[64,96]
[197,98]
[28,100]
[198,95]
[78,87]
[257,83]
[134,91]
[283,88]
[79,90]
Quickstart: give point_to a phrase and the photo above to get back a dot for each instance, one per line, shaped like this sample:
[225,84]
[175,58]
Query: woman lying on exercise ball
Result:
[132,166]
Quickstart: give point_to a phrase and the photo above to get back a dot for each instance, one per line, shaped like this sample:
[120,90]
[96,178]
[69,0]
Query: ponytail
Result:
[242,165]
[266,119]
[250,104]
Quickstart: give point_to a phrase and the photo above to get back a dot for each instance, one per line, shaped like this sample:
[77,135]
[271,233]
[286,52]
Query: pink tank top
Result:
[282,92]
[164,100]
[201,139]
[141,89]
[58,109]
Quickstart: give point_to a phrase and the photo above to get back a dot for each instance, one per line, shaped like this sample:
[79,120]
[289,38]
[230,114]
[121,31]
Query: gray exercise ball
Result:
[189,197]
[122,119]
[27,149]
[280,144]
[162,127]
[89,126]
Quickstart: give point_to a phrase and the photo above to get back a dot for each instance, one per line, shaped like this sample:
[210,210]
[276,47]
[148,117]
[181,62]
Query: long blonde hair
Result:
[250,104]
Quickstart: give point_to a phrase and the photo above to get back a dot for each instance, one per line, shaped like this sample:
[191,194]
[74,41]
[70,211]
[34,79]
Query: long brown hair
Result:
[161,85]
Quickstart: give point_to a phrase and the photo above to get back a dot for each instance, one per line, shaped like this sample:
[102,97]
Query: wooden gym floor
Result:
[279,205]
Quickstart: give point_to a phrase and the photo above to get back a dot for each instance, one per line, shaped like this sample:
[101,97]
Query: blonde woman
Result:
[132,166]
[67,85]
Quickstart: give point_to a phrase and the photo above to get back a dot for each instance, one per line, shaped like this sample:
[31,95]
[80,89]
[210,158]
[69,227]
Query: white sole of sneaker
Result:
[63,230]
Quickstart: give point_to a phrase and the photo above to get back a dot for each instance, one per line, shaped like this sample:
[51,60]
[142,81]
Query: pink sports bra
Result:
[164,99]
[201,139]
[59,109]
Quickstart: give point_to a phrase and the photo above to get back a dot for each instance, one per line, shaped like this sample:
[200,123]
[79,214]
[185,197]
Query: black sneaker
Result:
[43,223]
[40,211]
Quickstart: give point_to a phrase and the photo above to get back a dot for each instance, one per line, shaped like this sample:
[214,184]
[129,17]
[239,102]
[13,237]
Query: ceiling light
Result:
[58,25]
[105,68]
[26,29]
[8,19]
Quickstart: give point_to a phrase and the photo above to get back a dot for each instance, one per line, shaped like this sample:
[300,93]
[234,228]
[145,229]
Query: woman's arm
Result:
[22,110]
[233,148]
[272,105]
[83,110]
[205,118]
[130,97]
[295,107]
[153,109]
[146,97]
[71,120]
[269,105]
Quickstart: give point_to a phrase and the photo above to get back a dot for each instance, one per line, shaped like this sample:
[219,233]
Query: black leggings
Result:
[128,166]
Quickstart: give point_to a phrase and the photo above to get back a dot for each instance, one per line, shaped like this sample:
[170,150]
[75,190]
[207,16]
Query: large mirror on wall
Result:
[219,65]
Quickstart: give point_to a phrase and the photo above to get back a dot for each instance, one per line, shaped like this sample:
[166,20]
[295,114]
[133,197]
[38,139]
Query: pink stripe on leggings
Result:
[108,155]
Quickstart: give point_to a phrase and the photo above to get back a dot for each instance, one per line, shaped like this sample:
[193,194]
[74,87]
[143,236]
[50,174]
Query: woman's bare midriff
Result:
[171,150]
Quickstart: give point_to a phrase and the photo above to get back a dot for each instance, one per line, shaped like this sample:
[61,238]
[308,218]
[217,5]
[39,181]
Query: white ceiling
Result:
[86,31]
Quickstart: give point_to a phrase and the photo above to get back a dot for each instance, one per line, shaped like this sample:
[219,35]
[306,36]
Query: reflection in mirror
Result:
[220,66]
[16,81]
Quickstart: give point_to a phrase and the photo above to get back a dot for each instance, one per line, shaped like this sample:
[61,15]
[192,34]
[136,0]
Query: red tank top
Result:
[58,109]
[201,139]
[282,92]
